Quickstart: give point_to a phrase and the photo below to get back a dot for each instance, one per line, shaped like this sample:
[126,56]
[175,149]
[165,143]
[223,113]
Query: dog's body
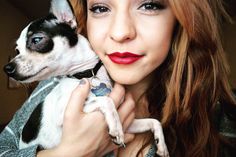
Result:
[50,47]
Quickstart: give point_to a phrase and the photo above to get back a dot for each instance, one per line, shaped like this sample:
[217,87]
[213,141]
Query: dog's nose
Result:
[10,68]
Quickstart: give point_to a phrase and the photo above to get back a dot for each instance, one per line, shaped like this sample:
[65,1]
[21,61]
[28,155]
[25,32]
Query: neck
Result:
[81,58]
[138,91]
[89,73]
[80,67]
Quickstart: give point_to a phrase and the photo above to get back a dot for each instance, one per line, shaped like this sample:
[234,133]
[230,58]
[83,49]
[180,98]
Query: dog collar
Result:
[88,73]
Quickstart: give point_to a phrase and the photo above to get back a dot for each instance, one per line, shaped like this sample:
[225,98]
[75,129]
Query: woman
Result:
[167,61]
[182,74]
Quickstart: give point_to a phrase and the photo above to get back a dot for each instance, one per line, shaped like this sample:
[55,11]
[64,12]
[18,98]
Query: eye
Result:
[152,6]
[36,40]
[99,9]
[39,42]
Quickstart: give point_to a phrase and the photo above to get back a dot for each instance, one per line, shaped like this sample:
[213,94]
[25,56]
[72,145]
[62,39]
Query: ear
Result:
[63,11]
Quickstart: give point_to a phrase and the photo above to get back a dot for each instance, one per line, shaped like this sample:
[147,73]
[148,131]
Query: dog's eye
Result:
[36,40]
[39,42]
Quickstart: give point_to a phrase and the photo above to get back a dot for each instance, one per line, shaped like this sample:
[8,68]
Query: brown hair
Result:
[191,81]
[80,10]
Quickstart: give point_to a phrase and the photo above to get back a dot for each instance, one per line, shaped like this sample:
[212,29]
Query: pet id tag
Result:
[101,90]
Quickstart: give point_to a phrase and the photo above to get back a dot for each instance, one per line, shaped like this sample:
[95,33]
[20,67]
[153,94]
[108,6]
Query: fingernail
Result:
[82,82]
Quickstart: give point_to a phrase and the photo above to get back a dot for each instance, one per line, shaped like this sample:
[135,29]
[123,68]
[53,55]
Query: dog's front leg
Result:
[107,107]
[143,125]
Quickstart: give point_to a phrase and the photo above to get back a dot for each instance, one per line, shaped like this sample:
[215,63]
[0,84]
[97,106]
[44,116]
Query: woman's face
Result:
[131,37]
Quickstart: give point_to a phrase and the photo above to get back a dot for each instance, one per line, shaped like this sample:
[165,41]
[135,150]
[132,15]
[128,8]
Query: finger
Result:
[126,107]
[117,94]
[128,121]
[78,97]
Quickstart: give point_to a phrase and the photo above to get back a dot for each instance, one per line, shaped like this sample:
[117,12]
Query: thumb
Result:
[77,98]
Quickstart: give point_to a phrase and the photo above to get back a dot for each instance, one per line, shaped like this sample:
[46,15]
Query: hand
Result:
[86,134]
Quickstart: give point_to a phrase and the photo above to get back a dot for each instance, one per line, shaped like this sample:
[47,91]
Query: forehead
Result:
[46,24]
[52,27]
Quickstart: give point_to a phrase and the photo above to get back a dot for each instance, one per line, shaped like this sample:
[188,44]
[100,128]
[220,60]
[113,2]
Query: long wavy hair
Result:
[191,81]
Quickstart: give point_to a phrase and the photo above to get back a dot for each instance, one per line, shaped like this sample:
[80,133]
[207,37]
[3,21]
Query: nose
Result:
[10,68]
[122,28]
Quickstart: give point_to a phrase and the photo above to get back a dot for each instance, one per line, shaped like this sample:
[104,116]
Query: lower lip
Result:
[124,60]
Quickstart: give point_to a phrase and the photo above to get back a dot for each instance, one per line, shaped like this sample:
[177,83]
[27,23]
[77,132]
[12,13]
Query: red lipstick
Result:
[124,57]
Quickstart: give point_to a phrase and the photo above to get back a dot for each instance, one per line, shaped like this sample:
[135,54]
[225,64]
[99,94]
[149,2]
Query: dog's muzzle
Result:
[10,69]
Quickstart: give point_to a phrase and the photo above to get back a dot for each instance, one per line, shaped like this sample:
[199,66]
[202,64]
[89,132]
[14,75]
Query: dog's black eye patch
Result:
[42,31]
[39,42]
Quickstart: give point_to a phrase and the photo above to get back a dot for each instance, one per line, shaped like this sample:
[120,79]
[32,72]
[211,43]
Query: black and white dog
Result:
[50,47]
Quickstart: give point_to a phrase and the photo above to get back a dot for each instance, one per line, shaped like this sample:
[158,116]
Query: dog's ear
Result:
[64,12]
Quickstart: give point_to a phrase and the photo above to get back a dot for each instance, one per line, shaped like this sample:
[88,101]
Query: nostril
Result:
[10,68]
[17,52]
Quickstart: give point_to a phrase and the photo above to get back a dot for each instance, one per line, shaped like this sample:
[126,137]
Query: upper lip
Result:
[124,54]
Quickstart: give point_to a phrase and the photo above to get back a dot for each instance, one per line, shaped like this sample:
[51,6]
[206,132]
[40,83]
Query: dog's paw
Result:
[159,139]
[112,118]
[161,148]
[117,136]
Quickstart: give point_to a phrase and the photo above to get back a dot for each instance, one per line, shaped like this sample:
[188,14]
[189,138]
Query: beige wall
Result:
[12,21]
[229,40]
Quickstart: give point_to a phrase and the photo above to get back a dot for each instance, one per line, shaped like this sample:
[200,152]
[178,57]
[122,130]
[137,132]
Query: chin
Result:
[124,80]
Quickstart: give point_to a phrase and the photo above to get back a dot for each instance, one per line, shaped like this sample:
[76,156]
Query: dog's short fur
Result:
[51,47]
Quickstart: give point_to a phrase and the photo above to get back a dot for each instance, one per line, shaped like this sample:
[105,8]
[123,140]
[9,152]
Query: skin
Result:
[130,26]
[135,26]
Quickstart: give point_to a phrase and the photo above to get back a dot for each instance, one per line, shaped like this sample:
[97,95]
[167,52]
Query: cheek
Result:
[91,35]
[156,30]
[158,39]
[96,35]
[158,45]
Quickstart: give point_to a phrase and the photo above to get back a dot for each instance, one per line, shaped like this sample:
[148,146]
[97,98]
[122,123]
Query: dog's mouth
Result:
[25,78]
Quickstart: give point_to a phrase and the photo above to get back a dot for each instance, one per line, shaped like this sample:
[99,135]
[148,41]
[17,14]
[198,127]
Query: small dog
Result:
[50,47]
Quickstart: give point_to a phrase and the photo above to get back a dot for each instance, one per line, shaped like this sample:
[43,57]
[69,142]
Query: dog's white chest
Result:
[54,107]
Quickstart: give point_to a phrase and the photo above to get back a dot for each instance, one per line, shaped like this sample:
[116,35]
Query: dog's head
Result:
[50,46]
